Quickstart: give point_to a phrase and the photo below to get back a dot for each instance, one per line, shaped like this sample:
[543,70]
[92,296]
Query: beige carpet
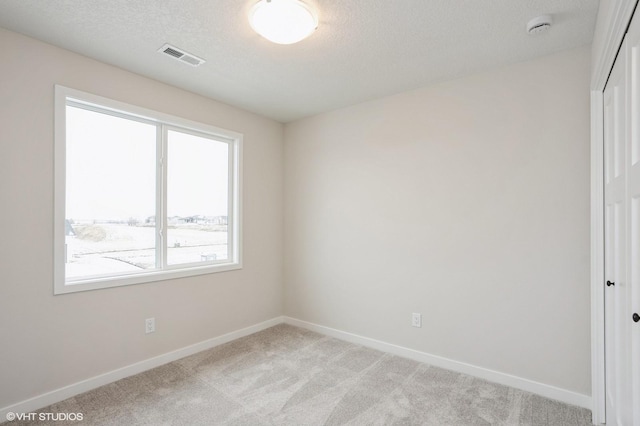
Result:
[289,376]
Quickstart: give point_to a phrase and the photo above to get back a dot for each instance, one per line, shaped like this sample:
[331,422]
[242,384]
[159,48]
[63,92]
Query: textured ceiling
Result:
[363,49]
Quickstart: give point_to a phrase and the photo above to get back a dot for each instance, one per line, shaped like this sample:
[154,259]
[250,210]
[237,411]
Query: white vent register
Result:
[181,55]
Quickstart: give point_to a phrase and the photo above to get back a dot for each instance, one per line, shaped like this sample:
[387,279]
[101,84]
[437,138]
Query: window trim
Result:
[165,122]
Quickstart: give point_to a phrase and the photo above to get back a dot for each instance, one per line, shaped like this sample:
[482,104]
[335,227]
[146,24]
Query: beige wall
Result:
[468,202]
[47,342]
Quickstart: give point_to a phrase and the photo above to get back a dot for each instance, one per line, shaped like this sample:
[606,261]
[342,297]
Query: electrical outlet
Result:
[416,320]
[149,325]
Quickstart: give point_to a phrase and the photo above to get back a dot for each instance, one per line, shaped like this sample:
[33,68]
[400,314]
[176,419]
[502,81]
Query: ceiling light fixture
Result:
[283,21]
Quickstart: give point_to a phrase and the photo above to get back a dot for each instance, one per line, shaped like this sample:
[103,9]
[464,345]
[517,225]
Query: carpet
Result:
[286,375]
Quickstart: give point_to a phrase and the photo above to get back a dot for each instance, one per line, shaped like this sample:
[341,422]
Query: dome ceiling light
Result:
[283,21]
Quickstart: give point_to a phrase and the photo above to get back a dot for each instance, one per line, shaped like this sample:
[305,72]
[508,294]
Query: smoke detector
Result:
[539,24]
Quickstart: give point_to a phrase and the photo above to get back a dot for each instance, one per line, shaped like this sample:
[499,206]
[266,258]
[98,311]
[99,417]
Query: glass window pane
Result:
[110,194]
[197,199]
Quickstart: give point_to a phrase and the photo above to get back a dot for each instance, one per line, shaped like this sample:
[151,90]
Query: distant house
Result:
[220,220]
[176,220]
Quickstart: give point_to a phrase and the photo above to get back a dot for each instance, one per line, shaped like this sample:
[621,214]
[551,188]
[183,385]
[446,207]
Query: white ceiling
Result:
[363,49]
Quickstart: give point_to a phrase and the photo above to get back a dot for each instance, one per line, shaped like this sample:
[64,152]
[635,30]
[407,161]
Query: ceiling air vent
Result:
[181,55]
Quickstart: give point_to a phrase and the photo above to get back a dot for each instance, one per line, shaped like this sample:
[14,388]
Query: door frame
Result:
[613,31]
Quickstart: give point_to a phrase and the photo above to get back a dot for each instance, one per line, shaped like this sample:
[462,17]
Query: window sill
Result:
[141,278]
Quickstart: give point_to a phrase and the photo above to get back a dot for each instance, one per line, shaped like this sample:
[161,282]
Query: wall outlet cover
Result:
[416,320]
[149,325]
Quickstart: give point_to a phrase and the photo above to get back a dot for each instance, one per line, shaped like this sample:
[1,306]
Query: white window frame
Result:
[166,122]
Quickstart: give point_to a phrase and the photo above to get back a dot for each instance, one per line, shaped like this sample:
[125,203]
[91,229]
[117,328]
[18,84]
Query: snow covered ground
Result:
[120,248]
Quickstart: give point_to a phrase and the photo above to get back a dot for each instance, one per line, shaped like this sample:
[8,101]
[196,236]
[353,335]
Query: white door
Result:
[622,233]
[617,344]
[633,201]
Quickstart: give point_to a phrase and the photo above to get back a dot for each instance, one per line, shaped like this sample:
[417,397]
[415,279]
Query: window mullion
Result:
[231,204]
[161,197]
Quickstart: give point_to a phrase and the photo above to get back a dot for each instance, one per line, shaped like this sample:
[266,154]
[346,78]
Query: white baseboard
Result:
[74,389]
[541,389]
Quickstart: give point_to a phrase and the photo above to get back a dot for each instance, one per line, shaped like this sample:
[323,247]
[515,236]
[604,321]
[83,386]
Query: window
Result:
[140,196]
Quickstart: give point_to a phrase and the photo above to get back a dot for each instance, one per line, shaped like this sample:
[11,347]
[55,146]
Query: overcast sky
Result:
[111,170]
